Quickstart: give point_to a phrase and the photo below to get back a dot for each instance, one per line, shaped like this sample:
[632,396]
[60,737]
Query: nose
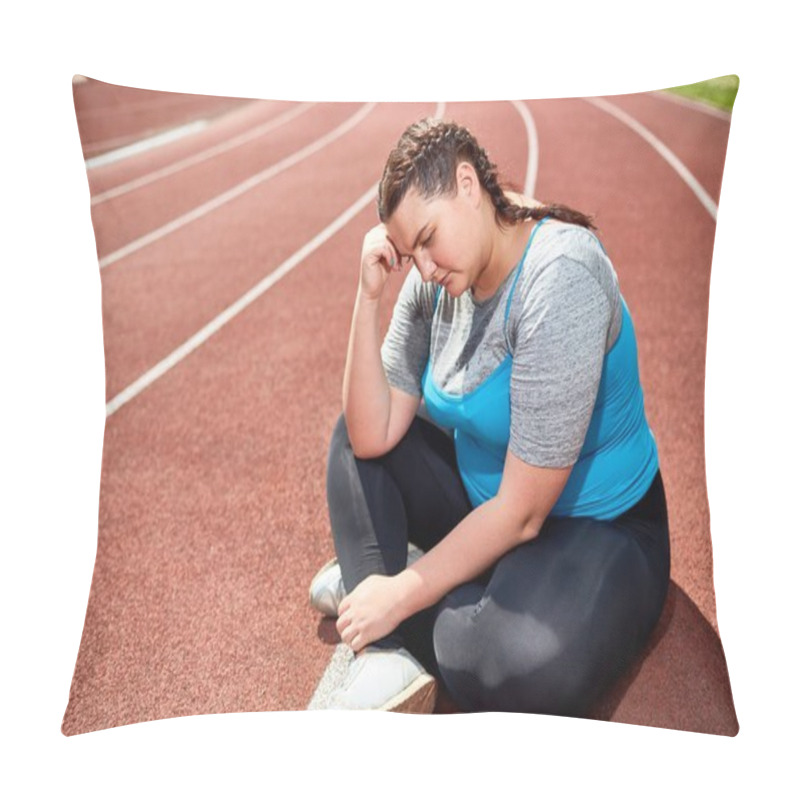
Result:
[426,267]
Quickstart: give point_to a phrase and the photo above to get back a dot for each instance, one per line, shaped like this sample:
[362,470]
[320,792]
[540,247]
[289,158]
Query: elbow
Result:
[365,447]
[365,451]
[347,437]
[368,439]
[530,528]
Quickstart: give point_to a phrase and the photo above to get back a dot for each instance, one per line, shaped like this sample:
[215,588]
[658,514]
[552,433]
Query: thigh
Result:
[560,619]
[424,469]
[376,506]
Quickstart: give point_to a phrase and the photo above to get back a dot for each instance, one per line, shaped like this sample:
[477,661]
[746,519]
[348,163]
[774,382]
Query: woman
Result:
[542,521]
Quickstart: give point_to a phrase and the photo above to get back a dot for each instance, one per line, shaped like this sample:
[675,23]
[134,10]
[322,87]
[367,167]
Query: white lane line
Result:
[203,155]
[236,191]
[533,148]
[696,105]
[144,145]
[191,344]
[661,149]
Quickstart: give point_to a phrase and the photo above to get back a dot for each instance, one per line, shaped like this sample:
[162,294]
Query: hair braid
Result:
[426,157]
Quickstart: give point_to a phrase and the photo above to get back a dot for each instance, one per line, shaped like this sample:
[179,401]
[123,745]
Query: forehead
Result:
[411,216]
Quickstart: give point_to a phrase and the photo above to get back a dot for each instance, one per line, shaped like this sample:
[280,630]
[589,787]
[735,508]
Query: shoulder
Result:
[563,256]
[567,274]
[559,242]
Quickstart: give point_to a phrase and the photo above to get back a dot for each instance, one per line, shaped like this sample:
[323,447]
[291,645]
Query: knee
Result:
[488,661]
[340,453]
[340,439]
[469,653]
[340,430]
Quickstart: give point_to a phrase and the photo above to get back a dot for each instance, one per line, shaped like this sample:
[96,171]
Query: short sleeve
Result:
[405,349]
[559,343]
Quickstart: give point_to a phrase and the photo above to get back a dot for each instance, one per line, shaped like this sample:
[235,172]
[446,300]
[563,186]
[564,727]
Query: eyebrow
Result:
[416,241]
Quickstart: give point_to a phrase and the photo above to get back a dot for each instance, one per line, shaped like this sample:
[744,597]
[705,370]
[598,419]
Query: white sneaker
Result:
[386,680]
[327,588]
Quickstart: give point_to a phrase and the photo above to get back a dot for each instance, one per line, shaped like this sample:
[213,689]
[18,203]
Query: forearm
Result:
[514,516]
[365,391]
[477,542]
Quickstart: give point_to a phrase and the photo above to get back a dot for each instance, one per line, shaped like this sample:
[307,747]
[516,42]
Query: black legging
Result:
[550,627]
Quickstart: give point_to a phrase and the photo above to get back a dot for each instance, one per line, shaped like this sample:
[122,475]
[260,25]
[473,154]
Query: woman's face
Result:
[442,235]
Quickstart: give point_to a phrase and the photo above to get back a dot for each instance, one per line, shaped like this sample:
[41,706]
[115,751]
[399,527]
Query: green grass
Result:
[718,92]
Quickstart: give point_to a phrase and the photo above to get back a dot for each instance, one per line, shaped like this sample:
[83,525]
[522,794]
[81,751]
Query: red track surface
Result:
[212,505]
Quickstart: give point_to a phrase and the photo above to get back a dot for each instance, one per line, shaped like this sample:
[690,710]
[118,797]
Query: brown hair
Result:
[426,157]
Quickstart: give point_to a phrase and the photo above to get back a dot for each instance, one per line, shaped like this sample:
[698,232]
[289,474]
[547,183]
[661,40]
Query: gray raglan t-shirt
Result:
[565,315]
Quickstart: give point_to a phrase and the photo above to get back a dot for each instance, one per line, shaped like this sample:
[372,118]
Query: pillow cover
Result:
[227,231]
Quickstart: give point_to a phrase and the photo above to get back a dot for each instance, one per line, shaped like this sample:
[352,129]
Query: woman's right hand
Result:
[378,260]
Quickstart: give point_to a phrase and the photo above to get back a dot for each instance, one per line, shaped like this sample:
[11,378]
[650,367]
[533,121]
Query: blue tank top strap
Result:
[600,243]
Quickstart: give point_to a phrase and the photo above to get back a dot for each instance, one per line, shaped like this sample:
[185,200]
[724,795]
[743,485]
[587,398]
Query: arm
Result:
[515,515]
[377,414]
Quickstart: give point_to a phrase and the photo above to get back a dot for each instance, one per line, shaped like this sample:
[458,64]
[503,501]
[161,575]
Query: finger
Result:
[353,638]
[345,632]
[392,256]
[388,257]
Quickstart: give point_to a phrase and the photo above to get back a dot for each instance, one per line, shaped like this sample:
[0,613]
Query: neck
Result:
[505,251]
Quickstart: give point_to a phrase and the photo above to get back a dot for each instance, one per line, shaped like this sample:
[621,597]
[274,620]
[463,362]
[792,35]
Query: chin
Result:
[453,287]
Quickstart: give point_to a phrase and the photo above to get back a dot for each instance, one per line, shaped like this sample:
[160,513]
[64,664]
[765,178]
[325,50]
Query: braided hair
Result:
[426,157]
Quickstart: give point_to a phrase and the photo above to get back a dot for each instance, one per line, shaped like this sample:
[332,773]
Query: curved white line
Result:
[203,155]
[236,191]
[661,149]
[533,148]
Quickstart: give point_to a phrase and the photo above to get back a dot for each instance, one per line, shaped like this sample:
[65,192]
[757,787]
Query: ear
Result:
[467,182]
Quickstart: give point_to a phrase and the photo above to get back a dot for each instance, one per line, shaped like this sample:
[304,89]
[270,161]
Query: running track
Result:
[221,399]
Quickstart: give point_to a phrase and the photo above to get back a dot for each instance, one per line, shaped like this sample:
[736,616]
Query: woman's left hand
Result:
[370,611]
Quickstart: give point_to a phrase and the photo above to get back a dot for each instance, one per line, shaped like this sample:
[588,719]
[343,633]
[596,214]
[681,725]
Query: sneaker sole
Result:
[417,698]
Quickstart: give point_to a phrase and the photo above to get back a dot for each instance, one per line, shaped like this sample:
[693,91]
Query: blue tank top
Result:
[618,460]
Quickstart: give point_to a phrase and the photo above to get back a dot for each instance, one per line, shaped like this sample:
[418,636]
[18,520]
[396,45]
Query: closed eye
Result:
[405,260]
